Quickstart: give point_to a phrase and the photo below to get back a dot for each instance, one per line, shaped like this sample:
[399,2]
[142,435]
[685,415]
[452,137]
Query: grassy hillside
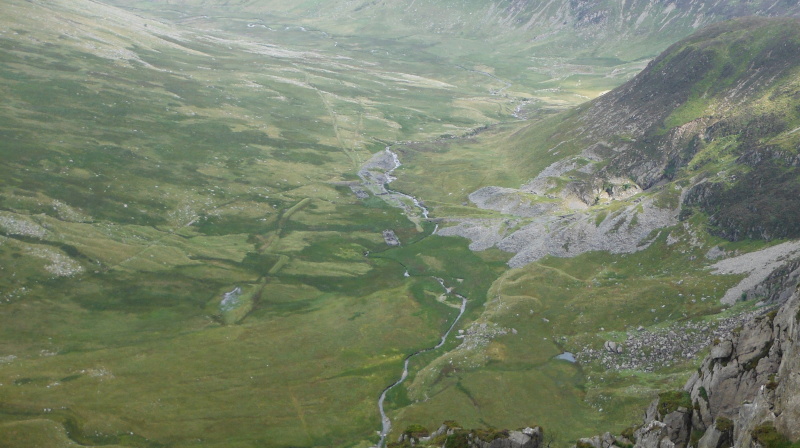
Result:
[707,130]
[183,257]
[149,169]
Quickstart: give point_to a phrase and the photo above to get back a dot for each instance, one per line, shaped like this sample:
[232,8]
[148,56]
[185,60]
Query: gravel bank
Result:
[758,265]
[627,230]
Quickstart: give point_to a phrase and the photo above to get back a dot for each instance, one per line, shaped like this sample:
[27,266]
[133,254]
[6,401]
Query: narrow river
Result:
[386,421]
[388,162]
[390,178]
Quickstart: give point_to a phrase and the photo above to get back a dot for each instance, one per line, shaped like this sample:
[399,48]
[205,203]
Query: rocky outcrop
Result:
[746,392]
[627,230]
[451,434]
[651,349]
[526,438]
[776,288]
[771,273]
[640,158]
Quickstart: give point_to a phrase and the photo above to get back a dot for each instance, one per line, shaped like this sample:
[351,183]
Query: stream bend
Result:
[385,420]
[375,175]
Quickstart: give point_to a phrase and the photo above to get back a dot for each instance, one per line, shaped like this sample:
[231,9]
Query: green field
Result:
[155,158]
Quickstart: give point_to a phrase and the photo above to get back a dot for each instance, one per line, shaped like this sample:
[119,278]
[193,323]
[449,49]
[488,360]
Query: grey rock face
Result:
[508,201]
[711,439]
[527,438]
[483,233]
[651,435]
[604,441]
[746,381]
[391,238]
[613,347]
[716,252]
[524,438]
[678,426]
[722,350]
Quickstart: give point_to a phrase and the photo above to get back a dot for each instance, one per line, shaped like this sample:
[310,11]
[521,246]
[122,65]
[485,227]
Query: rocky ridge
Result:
[745,394]
[452,434]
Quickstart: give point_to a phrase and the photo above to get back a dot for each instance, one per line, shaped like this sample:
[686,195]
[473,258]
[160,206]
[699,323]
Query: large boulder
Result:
[679,426]
[526,438]
[723,350]
[651,435]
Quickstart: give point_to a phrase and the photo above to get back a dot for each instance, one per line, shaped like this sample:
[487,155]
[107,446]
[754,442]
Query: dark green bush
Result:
[628,432]
[724,424]
[704,393]
[416,431]
[489,434]
[769,437]
[458,439]
[669,402]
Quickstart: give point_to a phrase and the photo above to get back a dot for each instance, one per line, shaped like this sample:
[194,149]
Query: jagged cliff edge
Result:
[745,394]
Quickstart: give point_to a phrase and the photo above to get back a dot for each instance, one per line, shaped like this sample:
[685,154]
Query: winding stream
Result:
[384,180]
[390,178]
[386,421]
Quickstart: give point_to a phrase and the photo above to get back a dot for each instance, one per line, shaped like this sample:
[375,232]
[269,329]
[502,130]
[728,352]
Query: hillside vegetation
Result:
[645,175]
[190,257]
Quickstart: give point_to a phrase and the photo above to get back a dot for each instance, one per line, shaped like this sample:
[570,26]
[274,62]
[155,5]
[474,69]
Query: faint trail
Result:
[487,74]
[165,234]
[267,242]
[559,271]
[285,216]
[335,122]
[301,416]
[283,260]
[291,211]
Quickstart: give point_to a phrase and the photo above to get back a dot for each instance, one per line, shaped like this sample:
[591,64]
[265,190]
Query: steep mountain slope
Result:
[710,125]
[616,260]
[745,394]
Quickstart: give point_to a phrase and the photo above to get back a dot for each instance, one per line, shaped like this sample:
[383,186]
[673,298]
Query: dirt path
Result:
[354,159]
[264,249]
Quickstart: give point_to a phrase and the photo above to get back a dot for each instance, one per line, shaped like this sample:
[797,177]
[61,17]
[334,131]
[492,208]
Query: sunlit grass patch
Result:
[325,269]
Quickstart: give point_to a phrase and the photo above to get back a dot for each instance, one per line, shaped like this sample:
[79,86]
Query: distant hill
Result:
[605,29]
